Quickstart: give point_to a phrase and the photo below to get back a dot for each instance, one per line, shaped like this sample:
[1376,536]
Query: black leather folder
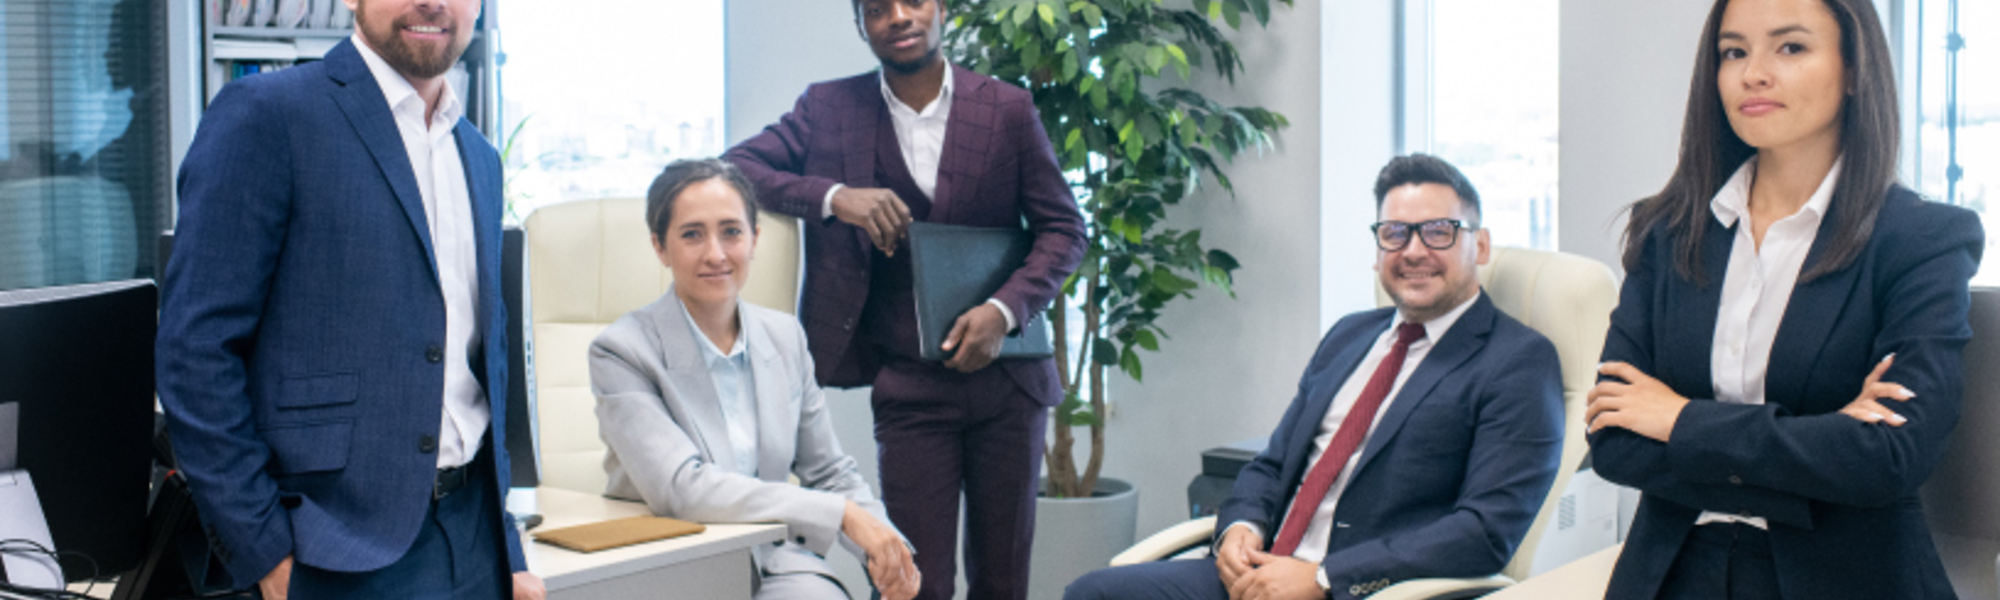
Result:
[957,268]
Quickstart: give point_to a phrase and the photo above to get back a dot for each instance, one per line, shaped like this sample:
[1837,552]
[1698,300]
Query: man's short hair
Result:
[1424,168]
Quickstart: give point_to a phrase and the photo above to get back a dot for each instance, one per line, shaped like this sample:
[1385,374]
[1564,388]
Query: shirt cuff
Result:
[1254,530]
[826,204]
[1004,312]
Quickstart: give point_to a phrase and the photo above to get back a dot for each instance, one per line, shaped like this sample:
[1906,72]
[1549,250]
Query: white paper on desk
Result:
[21,518]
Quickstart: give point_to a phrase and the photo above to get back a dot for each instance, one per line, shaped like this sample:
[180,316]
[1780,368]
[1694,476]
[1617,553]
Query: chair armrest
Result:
[1167,542]
[1443,589]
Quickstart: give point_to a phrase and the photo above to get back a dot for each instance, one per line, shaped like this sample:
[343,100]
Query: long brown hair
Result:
[1711,151]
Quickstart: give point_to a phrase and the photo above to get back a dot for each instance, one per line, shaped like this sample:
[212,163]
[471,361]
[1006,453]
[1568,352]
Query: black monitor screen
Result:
[78,361]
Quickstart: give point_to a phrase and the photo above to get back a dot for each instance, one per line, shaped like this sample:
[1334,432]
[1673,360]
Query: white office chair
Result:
[589,263]
[1568,298]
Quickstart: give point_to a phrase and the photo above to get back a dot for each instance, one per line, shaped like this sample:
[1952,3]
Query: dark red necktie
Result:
[1353,429]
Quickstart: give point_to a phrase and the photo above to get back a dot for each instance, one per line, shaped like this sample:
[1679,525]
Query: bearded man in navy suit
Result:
[1423,439]
[332,353]
[858,159]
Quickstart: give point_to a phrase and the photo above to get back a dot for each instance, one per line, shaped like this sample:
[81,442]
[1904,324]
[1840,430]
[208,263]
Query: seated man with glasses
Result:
[1421,442]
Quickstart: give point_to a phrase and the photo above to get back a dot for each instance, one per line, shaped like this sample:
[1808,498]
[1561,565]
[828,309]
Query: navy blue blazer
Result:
[1840,495]
[1452,476]
[301,318]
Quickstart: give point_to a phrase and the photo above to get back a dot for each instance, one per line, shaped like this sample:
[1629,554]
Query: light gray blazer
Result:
[661,420]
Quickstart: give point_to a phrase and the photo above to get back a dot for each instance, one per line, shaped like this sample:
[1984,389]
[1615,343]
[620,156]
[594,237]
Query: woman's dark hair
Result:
[1711,151]
[686,172]
[1424,168]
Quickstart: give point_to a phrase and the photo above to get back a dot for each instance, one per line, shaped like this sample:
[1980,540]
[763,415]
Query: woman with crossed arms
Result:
[1783,368]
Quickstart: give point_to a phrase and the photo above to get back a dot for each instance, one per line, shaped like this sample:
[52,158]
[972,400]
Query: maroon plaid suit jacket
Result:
[998,170]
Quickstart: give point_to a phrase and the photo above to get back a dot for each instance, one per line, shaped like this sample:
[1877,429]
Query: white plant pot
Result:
[1074,536]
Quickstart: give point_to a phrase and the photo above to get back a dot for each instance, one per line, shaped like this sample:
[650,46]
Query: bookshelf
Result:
[230,52]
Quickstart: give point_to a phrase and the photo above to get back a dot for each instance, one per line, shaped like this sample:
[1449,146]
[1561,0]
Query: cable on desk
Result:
[33,548]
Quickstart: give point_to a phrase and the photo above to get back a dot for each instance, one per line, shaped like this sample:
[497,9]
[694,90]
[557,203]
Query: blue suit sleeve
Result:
[234,202]
[1834,458]
[1516,449]
[1259,496]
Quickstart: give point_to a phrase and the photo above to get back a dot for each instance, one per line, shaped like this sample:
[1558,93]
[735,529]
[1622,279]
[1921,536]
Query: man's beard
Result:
[907,68]
[421,61]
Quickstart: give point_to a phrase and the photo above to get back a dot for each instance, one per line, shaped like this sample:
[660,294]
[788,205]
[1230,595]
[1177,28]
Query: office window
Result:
[1480,90]
[83,140]
[595,102]
[1957,112]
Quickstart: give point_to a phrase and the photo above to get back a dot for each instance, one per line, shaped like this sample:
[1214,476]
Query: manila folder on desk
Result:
[956,268]
[604,535]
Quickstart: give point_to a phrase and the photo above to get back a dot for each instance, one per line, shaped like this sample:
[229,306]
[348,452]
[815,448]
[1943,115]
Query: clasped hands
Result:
[890,566]
[1645,406]
[1250,573]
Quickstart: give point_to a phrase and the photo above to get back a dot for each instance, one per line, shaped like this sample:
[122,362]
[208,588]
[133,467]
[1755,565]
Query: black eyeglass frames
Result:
[1438,234]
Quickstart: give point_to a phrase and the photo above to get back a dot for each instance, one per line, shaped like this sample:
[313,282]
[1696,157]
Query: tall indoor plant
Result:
[1133,146]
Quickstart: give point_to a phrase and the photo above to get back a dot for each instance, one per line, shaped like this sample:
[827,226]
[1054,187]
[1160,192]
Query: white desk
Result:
[712,565]
[1582,579]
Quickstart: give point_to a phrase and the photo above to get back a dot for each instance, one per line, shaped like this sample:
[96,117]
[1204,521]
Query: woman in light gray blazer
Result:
[707,402]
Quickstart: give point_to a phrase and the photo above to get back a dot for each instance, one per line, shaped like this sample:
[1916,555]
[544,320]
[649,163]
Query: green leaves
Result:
[1101,72]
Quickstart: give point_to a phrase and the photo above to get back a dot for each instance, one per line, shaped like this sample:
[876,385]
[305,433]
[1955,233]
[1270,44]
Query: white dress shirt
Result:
[448,211]
[1755,292]
[920,135]
[735,389]
[1312,547]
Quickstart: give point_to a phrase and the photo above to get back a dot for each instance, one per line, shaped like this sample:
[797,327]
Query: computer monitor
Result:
[78,362]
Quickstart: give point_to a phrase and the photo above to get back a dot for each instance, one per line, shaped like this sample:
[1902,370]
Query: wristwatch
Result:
[1325,586]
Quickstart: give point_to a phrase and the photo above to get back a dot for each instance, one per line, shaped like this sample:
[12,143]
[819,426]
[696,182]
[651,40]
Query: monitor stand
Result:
[21,519]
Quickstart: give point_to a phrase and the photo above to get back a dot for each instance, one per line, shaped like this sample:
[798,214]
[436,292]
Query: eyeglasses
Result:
[1438,234]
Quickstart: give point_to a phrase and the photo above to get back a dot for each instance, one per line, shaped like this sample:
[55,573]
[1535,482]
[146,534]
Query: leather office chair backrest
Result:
[589,263]
[1568,298]
[1962,497]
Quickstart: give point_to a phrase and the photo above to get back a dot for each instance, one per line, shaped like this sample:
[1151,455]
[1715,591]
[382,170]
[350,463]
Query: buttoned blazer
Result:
[1840,495]
[1456,468]
[997,170]
[302,323]
[661,419]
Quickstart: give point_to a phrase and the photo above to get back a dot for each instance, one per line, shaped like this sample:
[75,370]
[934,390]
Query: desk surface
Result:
[1582,579]
[560,568]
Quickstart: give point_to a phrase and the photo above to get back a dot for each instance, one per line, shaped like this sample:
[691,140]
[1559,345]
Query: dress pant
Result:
[940,433]
[1722,561]
[458,553]
[1191,579]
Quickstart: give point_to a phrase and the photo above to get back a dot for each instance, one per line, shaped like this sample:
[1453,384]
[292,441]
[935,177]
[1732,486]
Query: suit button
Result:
[427,444]
[1353,590]
[434,354]
[1735,480]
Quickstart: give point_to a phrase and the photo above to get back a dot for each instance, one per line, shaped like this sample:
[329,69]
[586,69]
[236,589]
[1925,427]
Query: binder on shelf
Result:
[255,50]
[955,269]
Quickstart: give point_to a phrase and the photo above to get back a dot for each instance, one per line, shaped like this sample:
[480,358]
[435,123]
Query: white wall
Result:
[1625,69]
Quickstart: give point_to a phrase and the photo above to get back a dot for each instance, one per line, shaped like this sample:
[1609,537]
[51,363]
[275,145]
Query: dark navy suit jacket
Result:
[1452,476]
[300,318]
[1840,495]
[997,170]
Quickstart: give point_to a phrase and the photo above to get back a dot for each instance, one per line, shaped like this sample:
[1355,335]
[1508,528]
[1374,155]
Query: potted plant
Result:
[1133,146]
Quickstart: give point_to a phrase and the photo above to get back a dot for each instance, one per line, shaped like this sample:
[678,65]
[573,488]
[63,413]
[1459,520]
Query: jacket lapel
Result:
[693,388]
[777,421]
[1328,382]
[968,134]
[1465,338]
[361,100]
[1808,320]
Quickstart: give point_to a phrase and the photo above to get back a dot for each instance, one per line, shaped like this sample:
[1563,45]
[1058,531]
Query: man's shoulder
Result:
[276,90]
[845,91]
